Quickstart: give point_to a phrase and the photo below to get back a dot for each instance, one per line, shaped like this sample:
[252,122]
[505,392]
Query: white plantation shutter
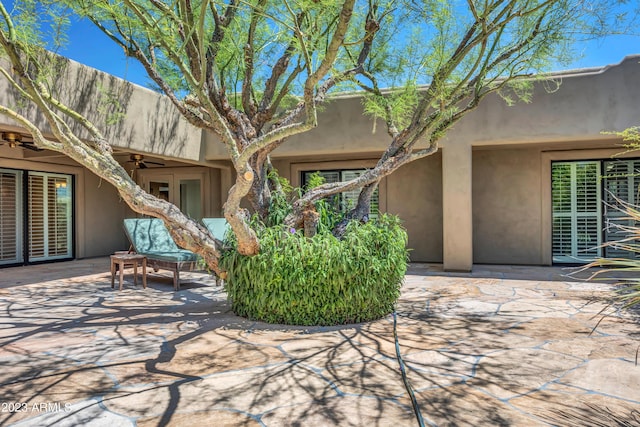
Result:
[59,216]
[576,211]
[562,223]
[331,176]
[10,216]
[49,221]
[36,223]
[621,182]
[348,199]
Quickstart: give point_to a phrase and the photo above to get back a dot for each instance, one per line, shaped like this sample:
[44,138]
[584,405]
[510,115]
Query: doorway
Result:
[36,216]
[183,189]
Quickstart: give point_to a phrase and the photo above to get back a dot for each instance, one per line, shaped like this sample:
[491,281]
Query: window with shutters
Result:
[49,216]
[348,199]
[11,251]
[576,211]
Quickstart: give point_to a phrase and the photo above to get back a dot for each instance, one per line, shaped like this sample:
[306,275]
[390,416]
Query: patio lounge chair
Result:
[216,226]
[150,237]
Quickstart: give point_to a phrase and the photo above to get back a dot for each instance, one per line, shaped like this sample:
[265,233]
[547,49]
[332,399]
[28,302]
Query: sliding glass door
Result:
[42,228]
[49,221]
[588,199]
[621,186]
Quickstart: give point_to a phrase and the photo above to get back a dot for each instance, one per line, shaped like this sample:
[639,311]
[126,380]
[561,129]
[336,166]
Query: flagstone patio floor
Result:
[502,346]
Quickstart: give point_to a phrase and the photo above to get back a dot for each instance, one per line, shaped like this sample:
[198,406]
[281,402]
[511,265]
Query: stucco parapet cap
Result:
[575,72]
[80,65]
[594,70]
[359,93]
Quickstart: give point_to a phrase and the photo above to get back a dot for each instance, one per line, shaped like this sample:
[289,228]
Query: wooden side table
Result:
[119,261]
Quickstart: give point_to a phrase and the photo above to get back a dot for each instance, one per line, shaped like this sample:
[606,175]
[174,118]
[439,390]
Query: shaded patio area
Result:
[502,346]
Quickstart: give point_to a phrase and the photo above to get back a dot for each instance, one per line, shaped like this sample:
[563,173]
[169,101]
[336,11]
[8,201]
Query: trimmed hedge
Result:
[320,281]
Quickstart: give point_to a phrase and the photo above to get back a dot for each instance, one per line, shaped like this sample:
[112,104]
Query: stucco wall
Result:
[103,212]
[150,124]
[283,167]
[342,128]
[507,206]
[414,193]
[576,105]
[579,106]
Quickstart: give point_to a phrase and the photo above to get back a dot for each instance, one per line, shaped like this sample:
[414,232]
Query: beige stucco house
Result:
[522,184]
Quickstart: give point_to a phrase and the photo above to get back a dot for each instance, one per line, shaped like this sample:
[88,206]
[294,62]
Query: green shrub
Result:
[328,209]
[322,280]
[280,205]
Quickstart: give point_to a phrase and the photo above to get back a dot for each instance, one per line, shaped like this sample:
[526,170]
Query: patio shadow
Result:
[480,351]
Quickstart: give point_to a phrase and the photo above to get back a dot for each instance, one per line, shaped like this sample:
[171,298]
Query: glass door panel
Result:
[37,225]
[622,186]
[59,216]
[191,198]
[50,216]
[576,211]
[185,190]
[161,188]
[10,217]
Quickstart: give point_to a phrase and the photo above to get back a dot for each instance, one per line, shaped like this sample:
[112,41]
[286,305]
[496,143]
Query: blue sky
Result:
[90,47]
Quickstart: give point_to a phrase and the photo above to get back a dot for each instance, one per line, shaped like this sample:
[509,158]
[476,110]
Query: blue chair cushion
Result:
[217,227]
[181,255]
[150,236]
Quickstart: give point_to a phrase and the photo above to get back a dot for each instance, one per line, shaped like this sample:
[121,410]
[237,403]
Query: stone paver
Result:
[501,346]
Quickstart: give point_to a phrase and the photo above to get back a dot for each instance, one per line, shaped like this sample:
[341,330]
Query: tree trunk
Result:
[311,219]
[363,207]
[259,196]
[360,212]
[237,217]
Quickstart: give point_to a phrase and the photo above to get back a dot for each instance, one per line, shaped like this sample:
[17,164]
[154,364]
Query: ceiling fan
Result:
[140,163]
[14,140]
